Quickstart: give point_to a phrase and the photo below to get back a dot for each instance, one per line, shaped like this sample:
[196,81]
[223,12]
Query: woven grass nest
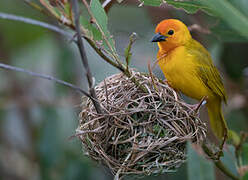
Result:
[139,133]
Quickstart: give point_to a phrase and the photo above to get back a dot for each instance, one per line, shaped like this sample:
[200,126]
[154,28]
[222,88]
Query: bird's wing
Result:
[207,72]
[212,79]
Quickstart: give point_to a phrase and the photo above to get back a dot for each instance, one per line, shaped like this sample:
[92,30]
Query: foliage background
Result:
[37,117]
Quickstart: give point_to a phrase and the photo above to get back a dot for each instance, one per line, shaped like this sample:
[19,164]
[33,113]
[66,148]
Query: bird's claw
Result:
[196,107]
[200,104]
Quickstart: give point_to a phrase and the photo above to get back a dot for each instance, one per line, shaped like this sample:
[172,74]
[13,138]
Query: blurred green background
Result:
[37,116]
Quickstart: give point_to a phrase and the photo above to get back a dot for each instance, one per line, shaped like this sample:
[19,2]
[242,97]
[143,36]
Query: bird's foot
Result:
[196,107]
[165,81]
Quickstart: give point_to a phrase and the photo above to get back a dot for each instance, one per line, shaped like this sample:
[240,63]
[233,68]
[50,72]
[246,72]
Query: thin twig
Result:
[43,76]
[83,56]
[238,148]
[219,163]
[37,23]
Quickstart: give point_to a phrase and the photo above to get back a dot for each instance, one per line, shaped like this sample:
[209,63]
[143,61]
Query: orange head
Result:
[171,33]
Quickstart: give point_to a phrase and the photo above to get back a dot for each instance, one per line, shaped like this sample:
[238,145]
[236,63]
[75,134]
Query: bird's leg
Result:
[168,83]
[202,102]
[165,81]
[196,107]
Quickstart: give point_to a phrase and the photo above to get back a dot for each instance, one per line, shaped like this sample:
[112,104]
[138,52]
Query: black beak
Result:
[158,37]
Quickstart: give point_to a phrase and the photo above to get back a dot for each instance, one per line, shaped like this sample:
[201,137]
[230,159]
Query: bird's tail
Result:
[217,121]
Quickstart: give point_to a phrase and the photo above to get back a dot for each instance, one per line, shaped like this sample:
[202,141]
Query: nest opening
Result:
[140,133]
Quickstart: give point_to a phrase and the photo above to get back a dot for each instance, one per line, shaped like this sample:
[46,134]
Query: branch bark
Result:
[219,163]
[84,57]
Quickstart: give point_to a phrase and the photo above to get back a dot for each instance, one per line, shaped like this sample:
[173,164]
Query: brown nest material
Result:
[140,132]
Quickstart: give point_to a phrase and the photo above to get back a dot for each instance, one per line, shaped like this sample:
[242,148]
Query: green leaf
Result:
[198,167]
[90,30]
[190,7]
[151,2]
[128,55]
[232,16]
[100,15]
[226,33]
[242,5]
[102,20]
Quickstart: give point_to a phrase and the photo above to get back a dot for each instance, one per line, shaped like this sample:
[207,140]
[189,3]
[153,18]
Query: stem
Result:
[219,163]
[128,53]
[102,55]
[43,76]
[84,58]
[238,148]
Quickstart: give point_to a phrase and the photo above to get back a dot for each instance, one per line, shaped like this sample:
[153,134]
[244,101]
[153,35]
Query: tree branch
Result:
[37,23]
[84,59]
[43,76]
[219,163]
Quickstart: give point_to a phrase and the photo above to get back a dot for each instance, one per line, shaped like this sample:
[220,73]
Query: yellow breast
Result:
[180,70]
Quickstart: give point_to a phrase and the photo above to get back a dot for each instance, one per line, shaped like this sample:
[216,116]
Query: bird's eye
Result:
[170,32]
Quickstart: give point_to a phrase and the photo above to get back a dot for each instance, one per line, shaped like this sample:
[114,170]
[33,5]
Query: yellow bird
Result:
[188,68]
